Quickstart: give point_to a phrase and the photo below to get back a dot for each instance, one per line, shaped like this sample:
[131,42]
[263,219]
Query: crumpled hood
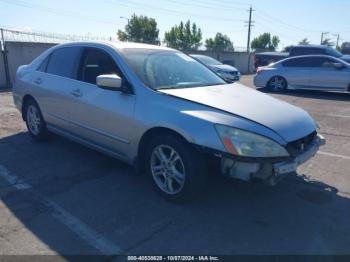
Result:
[288,121]
[223,67]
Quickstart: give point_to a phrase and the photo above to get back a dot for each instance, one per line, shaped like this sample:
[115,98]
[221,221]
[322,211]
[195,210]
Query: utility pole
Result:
[323,34]
[249,28]
[4,51]
[338,36]
[250,24]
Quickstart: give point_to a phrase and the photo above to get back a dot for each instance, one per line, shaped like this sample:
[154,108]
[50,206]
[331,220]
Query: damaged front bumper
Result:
[269,171]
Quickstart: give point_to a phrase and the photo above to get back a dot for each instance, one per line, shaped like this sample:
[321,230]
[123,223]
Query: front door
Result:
[101,116]
[325,75]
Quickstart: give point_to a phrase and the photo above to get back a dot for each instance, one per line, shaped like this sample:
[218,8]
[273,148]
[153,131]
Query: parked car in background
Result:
[163,112]
[266,58]
[227,72]
[316,72]
[318,50]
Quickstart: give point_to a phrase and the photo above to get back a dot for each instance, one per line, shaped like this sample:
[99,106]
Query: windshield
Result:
[207,60]
[163,69]
[333,52]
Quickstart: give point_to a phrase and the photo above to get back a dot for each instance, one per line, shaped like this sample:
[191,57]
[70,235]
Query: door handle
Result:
[76,93]
[38,81]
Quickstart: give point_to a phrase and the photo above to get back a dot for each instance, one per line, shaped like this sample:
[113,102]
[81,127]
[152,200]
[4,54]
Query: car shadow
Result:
[314,94]
[5,89]
[298,216]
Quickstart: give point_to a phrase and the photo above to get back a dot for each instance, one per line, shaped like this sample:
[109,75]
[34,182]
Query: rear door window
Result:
[64,62]
[298,62]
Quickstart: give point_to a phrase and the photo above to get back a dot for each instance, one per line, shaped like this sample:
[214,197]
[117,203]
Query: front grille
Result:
[297,147]
[234,73]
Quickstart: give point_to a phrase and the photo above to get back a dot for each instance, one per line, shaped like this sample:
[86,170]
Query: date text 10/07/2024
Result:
[173,258]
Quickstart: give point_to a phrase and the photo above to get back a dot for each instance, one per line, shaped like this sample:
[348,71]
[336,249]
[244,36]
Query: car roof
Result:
[117,45]
[198,55]
[273,53]
[308,56]
[311,46]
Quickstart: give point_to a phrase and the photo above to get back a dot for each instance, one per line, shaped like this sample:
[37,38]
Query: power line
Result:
[56,12]
[169,11]
[275,19]
[205,5]
[225,4]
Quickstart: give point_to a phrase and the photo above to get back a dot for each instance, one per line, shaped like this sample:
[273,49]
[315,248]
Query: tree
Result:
[220,42]
[141,29]
[328,42]
[265,42]
[305,41]
[287,48]
[184,36]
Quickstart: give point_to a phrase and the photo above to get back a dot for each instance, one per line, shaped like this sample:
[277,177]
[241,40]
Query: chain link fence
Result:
[44,37]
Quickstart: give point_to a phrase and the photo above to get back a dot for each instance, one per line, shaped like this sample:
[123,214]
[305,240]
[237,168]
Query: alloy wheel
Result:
[33,120]
[167,169]
[277,83]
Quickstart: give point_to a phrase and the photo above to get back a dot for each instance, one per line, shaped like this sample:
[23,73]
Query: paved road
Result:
[61,198]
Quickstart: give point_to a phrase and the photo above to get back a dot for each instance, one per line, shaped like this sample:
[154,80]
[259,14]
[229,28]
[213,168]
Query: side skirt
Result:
[89,144]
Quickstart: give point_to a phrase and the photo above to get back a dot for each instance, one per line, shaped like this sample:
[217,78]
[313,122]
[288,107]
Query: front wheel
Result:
[34,120]
[178,172]
[277,83]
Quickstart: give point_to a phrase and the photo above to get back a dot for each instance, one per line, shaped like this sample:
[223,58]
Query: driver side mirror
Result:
[110,82]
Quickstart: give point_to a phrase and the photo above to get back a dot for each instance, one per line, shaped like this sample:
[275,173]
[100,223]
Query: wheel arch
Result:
[147,136]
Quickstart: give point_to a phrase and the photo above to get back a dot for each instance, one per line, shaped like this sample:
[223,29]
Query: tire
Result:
[35,121]
[179,180]
[277,84]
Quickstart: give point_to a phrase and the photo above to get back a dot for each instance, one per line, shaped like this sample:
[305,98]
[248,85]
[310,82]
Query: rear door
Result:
[297,72]
[325,76]
[53,81]
[101,116]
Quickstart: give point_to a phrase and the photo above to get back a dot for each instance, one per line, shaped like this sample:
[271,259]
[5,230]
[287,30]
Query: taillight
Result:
[259,70]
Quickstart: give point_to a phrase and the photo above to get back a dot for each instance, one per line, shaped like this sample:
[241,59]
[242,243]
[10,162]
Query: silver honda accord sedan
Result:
[311,72]
[163,112]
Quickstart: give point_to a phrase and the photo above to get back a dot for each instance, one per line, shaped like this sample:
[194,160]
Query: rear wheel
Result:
[178,172]
[277,83]
[34,120]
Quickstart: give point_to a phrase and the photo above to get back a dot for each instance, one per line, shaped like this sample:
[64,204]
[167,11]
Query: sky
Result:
[291,20]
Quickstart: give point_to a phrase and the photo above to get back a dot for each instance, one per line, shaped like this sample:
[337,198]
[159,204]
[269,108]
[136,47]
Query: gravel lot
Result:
[61,198]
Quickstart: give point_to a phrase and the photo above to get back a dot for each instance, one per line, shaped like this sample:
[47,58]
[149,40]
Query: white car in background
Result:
[312,72]
[227,72]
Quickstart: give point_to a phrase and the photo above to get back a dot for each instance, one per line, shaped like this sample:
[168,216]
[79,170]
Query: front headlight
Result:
[243,143]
